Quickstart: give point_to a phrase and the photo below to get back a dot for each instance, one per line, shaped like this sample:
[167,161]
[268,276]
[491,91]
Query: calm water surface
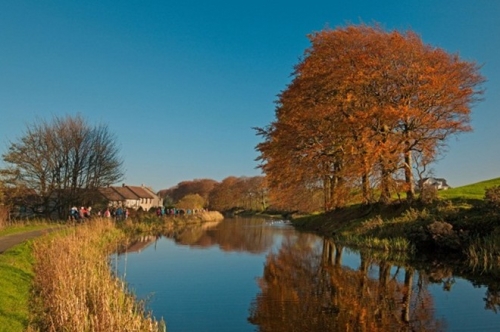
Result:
[256,275]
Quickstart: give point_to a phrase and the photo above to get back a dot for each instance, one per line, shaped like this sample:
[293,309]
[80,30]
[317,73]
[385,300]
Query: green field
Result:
[471,191]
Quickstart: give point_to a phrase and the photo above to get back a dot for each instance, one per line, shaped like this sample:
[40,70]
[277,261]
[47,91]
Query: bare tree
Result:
[64,161]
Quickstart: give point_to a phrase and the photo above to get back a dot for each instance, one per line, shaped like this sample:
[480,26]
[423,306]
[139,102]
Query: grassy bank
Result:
[62,281]
[74,289]
[27,226]
[459,222]
[16,277]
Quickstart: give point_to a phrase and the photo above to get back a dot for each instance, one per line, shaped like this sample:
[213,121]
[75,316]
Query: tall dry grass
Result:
[484,253]
[75,289]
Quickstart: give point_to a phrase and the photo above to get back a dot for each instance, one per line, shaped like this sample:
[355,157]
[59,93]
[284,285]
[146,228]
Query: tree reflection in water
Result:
[306,288]
[312,284]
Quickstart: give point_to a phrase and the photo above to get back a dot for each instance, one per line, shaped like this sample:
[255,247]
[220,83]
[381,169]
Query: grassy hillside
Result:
[471,191]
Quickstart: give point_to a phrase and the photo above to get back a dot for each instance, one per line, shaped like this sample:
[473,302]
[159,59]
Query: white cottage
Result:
[437,183]
[133,197]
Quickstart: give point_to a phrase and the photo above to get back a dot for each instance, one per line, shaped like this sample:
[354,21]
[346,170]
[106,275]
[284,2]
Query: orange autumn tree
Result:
[239,193]
[361,105]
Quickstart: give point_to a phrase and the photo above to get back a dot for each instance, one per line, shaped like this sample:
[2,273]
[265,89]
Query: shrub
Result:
[428,194]
[492,197]
[443,235]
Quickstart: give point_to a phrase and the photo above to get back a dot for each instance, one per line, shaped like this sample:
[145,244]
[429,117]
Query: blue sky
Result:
[182,83]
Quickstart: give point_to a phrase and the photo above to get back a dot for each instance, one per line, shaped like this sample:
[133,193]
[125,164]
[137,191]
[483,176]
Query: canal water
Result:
[248,274]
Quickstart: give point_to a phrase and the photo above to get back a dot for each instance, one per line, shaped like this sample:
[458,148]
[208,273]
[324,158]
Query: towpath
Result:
[9,241]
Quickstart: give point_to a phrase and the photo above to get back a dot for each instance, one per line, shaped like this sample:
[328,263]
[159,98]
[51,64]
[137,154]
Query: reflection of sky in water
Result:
[205,288]
[350,259]
[463,307]
[195,289]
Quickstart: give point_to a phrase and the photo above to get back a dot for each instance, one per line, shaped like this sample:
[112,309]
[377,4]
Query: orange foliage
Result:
[361,102]
[307,289]
[234,193]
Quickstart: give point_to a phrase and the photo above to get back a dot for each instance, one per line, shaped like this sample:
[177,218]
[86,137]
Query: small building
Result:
[132,197]
[437,183]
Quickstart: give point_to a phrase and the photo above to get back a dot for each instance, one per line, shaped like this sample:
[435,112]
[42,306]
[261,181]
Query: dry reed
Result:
[75,289]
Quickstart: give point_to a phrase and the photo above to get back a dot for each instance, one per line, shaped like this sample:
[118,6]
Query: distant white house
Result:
[437,183]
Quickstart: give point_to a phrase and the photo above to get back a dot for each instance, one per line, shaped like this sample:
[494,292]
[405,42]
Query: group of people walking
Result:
[80,214]
[84,213]
[121,213]
[118,213]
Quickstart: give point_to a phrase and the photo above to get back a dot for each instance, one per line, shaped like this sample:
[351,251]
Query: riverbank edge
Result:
[21,319]
[469,229]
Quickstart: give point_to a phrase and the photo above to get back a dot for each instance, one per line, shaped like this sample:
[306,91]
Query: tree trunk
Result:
[365,182]
[385,191]
[410,189]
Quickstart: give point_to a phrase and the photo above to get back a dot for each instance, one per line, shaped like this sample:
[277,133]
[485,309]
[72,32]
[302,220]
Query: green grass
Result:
[23,228]
[471,191]
[16,276]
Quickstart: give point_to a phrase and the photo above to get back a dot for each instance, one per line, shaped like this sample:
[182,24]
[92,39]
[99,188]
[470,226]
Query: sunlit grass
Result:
[25,227]
[21,226]
[472,191]
[16,276]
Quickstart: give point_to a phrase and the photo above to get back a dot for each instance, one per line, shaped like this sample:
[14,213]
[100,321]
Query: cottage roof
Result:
[141,192]
[126,192]
[111,194]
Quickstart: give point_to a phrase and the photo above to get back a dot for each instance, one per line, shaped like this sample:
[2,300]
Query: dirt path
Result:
[9,241]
